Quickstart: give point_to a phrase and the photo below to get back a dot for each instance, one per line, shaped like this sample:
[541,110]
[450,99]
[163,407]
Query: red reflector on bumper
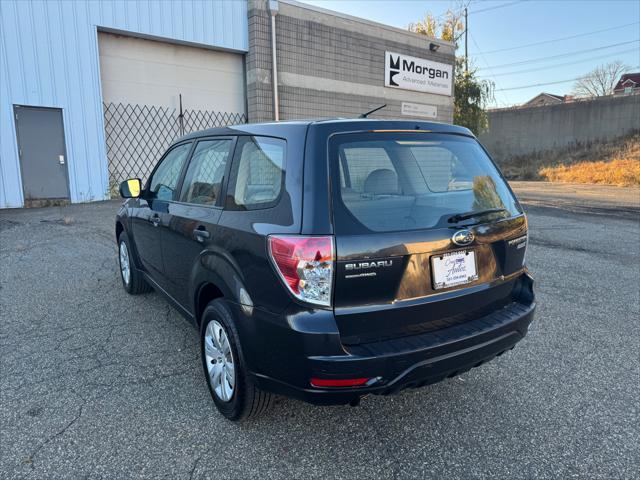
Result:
[338,382]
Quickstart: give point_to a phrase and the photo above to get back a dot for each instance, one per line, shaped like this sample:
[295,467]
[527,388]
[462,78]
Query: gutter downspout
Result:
[273,9]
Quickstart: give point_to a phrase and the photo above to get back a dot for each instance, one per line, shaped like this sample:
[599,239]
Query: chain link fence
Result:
[137,135]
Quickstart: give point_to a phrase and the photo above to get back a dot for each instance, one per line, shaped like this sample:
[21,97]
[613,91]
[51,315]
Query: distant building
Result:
[629,83]
[547,99]
[92,93]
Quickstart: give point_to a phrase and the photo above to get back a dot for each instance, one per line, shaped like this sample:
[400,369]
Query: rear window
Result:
[395,181]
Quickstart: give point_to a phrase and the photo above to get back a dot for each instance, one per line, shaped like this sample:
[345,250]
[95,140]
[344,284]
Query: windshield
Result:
[406,181]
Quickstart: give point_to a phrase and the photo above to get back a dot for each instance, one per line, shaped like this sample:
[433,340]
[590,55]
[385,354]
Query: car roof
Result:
[291,127]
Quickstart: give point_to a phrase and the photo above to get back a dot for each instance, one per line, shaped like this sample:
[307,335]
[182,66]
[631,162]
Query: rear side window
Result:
[203,181]
[403,181]
[258,173]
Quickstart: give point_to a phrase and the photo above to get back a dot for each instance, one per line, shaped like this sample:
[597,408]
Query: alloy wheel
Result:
[219,361]
[125,268]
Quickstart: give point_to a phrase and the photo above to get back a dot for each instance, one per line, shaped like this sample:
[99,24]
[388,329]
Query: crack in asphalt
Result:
[382,441]
[120,375]
[193,468]
[616,255]
[32,456]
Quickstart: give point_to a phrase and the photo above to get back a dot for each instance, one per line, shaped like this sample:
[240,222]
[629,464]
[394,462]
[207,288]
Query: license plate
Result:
[454,268]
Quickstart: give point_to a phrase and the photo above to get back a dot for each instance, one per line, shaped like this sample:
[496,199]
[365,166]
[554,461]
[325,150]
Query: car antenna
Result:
[365,115]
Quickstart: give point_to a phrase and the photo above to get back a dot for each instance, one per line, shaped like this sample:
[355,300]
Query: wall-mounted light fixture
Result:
[434,47]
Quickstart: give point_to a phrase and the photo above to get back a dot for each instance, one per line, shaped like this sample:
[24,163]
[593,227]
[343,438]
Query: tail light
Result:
[305,265]
[526,246]
[339,382]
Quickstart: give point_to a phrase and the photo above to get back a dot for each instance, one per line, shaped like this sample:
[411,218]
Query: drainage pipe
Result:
[273,9]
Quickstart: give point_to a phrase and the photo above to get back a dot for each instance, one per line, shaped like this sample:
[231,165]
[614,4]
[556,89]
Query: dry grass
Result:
[616,162]
[623,173]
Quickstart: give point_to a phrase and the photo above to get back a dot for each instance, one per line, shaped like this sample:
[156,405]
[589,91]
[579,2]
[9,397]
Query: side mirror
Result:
[131,188]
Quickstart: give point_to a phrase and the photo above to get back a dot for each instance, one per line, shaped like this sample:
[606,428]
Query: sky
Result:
[502,24]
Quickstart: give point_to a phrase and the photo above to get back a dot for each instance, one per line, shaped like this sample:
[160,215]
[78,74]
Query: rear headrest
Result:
[259,193]
[382,182]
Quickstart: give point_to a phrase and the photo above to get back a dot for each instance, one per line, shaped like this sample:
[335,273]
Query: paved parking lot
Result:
[97,384]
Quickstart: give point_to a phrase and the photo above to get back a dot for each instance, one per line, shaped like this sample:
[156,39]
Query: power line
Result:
[539,84]
[558,64]
[542,59]
[485,62]
[547,83]
[494,7]
[459,11]
[560,39]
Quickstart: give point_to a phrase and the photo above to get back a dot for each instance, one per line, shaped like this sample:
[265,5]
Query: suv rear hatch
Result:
[427,232]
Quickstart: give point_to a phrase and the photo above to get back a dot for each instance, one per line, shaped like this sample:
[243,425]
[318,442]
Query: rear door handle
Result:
[201,234]
[155,219]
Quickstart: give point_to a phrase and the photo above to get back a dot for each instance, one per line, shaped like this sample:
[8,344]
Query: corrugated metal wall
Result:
[49,58]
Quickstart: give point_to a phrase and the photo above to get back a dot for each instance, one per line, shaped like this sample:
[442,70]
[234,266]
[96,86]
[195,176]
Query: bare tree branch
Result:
[600,81]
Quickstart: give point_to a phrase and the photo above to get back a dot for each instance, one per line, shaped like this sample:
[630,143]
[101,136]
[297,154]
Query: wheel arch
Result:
[119,229]
[205,293]
[216,274]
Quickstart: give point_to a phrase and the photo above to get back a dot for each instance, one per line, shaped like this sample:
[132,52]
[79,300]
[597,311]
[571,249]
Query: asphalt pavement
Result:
[576,197]
[95,383]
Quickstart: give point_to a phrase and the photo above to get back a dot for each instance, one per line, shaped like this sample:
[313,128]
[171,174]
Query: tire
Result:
[132,279]
[244,400]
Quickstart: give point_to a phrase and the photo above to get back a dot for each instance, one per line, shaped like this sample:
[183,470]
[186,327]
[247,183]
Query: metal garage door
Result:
[154,91]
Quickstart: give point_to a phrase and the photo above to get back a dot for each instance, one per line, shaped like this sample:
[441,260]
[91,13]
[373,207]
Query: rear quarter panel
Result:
[241,258]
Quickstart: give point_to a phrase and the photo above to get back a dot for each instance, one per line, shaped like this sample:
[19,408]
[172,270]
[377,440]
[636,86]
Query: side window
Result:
[165,179]
[258,173]
[203,181]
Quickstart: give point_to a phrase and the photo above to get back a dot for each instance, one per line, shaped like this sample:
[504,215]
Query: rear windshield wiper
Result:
[474,214]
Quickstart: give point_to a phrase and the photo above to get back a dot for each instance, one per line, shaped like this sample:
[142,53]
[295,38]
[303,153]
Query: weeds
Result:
[616,162]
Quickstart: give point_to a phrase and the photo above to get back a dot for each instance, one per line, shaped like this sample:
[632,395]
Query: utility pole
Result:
[466,51]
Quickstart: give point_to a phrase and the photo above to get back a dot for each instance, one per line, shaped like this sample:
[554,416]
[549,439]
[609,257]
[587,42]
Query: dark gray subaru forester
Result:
[332,259]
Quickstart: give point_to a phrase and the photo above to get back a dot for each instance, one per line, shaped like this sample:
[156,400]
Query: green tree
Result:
[471,95]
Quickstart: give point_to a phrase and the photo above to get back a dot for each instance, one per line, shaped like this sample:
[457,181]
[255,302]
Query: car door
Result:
[192,219]
[151,214]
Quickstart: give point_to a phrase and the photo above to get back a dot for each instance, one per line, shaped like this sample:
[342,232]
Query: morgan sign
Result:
[418,74]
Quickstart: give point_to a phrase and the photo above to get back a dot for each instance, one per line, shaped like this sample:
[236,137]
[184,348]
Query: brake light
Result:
[305,264]
[526,246]
[338,382]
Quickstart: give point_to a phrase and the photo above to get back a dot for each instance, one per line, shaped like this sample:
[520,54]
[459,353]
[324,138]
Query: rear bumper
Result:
[286,364]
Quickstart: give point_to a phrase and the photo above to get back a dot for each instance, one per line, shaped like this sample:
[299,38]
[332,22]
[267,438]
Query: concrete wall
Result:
[331,65]
[525,131]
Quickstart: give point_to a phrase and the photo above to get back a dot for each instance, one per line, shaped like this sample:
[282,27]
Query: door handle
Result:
[201,234]
[155,219]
